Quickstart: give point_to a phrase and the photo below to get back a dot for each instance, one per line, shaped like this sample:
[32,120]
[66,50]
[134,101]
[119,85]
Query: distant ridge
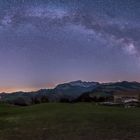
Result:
[68,92]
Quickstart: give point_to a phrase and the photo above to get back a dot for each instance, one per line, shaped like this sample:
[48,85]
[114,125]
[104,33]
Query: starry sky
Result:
[47,42]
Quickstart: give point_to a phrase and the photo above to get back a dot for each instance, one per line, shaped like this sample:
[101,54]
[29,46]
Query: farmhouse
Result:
[128,98]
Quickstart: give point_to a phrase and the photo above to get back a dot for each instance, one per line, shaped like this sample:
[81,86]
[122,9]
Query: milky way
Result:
[46,42]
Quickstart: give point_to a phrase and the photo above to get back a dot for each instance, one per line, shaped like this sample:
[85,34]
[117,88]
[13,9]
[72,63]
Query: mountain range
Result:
[69,92]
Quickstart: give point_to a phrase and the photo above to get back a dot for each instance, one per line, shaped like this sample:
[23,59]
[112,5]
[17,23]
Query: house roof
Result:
[131,100]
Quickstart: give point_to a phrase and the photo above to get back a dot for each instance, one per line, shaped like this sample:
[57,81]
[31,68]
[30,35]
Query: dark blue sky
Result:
[47,42]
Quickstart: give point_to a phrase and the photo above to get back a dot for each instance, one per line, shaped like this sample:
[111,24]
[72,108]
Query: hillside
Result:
[71,92]
[59,121]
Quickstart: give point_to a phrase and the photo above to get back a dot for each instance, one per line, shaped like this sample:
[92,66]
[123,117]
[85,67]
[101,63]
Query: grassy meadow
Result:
[64,121]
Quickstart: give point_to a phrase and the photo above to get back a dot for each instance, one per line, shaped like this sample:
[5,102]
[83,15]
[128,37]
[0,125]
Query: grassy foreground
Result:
[59,121]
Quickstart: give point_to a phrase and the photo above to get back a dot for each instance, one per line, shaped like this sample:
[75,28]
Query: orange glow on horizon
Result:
[25,89]
[13,89]
[29,89]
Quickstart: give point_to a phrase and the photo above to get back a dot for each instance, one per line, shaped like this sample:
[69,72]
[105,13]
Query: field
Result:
[60,121]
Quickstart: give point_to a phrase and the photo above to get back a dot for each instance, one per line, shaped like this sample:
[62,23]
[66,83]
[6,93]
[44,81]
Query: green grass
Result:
[60,121]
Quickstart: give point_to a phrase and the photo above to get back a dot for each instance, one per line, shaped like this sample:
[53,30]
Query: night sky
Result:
[47,42]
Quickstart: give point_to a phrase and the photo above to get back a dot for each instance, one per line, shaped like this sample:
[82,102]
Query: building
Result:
[127,98]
